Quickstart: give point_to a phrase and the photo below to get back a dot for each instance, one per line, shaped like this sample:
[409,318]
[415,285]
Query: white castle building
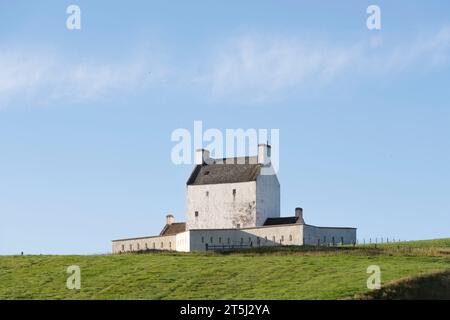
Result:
[235,203]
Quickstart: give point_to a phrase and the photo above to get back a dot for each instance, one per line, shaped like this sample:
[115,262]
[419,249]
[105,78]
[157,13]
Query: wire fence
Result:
[380,240]
[331,243]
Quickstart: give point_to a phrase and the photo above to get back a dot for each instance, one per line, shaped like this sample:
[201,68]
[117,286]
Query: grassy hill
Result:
[281,273]
[433,243]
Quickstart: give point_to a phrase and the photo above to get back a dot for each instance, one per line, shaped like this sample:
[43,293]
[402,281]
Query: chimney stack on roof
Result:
[169,219]
[264,153]
[299,214]
[201,156]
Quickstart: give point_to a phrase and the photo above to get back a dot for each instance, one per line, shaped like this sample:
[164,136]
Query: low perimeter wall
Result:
[144,243]
[200,239]
[328,236]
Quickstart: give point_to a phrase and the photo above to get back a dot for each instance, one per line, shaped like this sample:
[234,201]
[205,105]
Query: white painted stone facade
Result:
[267,198]
[227,205]
[233,205]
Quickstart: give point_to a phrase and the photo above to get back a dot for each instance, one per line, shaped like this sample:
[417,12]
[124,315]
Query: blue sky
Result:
[86,115]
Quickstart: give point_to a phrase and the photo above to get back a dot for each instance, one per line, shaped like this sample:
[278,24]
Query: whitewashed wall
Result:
[220,209]
[144,243]
[267,198]
[276,235]
[183,241]
[325,235]
[196,239]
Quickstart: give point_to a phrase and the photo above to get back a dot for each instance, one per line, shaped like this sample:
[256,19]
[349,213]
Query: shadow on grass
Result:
[435,285]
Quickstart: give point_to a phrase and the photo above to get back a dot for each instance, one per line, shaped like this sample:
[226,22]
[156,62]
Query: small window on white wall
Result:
[196,214]
[207,193]
[203,239]
[234,192]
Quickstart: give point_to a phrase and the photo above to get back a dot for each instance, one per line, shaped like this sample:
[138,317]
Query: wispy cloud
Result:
[44,77]
[427,50]
[249,68]
[262,66]
[258,68]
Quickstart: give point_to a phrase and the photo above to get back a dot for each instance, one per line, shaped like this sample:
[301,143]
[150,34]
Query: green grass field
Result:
[284,273]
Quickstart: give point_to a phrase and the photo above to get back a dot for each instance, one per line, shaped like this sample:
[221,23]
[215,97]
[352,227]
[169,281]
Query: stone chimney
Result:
[264,154]
[201,156]
[169,219]
[299,214]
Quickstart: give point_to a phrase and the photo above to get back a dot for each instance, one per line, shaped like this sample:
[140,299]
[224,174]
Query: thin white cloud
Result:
[248,68]
[44,77]
[19,73]
[256,68]
[432,50]
[262,66]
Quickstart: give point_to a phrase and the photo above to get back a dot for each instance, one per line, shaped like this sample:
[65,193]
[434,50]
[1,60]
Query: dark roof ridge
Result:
[272,221]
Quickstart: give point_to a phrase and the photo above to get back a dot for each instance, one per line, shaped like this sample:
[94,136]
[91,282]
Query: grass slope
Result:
[283,273]
[434,285]
[433,243]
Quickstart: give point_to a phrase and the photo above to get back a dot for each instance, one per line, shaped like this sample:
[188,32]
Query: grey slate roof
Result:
[281,220]
[229,170]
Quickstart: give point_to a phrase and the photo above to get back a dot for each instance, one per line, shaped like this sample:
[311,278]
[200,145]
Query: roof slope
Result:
[174,228]
[230,170]
[281,220]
